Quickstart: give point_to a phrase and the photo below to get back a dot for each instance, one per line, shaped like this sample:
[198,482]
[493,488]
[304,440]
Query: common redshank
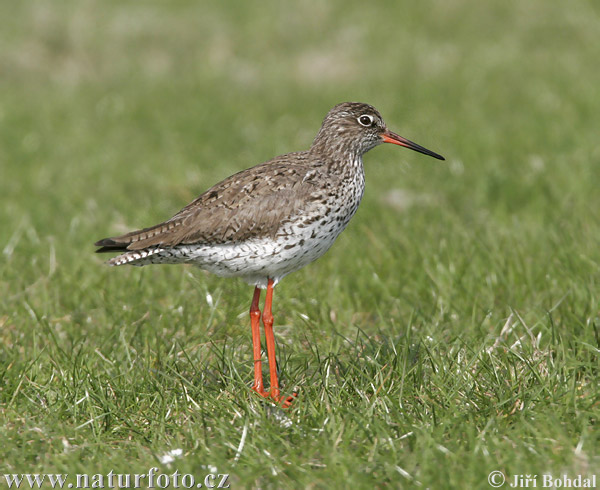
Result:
[272,219]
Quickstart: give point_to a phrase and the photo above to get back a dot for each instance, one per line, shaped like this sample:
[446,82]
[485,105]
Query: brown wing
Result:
[248,204]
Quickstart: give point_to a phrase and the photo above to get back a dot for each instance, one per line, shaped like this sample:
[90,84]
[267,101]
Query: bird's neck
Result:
[337,154]
[344,165]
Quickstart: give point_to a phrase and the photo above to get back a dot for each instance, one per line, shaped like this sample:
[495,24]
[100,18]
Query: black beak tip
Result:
[430,153]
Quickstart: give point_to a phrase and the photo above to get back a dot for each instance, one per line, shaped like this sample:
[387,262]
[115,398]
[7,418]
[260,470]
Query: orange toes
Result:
[261,392]
[282,400]
[286,402]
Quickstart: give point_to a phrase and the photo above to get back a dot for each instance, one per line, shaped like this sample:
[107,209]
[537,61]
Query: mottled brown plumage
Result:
[246,205]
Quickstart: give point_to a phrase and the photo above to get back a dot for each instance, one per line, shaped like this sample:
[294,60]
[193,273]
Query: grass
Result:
[453,330]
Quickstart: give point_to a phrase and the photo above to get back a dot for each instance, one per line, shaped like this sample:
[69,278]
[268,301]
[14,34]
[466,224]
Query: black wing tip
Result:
[105,242]
[109,245]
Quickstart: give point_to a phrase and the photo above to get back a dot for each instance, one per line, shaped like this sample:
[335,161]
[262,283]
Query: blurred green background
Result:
[114,115]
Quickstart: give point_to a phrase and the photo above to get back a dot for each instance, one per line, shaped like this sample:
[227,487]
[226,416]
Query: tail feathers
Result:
[138,240]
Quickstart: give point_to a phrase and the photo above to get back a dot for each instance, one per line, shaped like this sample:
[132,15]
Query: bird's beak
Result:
[389,137]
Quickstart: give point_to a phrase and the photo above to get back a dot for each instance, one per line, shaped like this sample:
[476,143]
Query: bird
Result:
[269,220]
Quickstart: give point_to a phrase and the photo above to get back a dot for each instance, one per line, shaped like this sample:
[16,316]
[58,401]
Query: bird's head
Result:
[355,128]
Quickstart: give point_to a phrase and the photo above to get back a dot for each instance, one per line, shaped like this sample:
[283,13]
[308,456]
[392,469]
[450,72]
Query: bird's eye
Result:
[365,120]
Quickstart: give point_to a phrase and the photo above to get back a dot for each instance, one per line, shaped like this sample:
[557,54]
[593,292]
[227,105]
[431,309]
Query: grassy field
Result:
[452,331]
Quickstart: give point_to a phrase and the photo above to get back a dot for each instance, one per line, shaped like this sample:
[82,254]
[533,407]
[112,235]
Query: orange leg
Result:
[268,323]
[270,339]
[255,322]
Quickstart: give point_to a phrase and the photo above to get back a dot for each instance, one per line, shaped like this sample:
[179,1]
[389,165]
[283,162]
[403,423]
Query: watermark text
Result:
[152,479]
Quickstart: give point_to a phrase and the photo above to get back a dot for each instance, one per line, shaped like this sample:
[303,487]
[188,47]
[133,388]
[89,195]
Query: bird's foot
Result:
[281,400]
[260,391]
[286,401]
